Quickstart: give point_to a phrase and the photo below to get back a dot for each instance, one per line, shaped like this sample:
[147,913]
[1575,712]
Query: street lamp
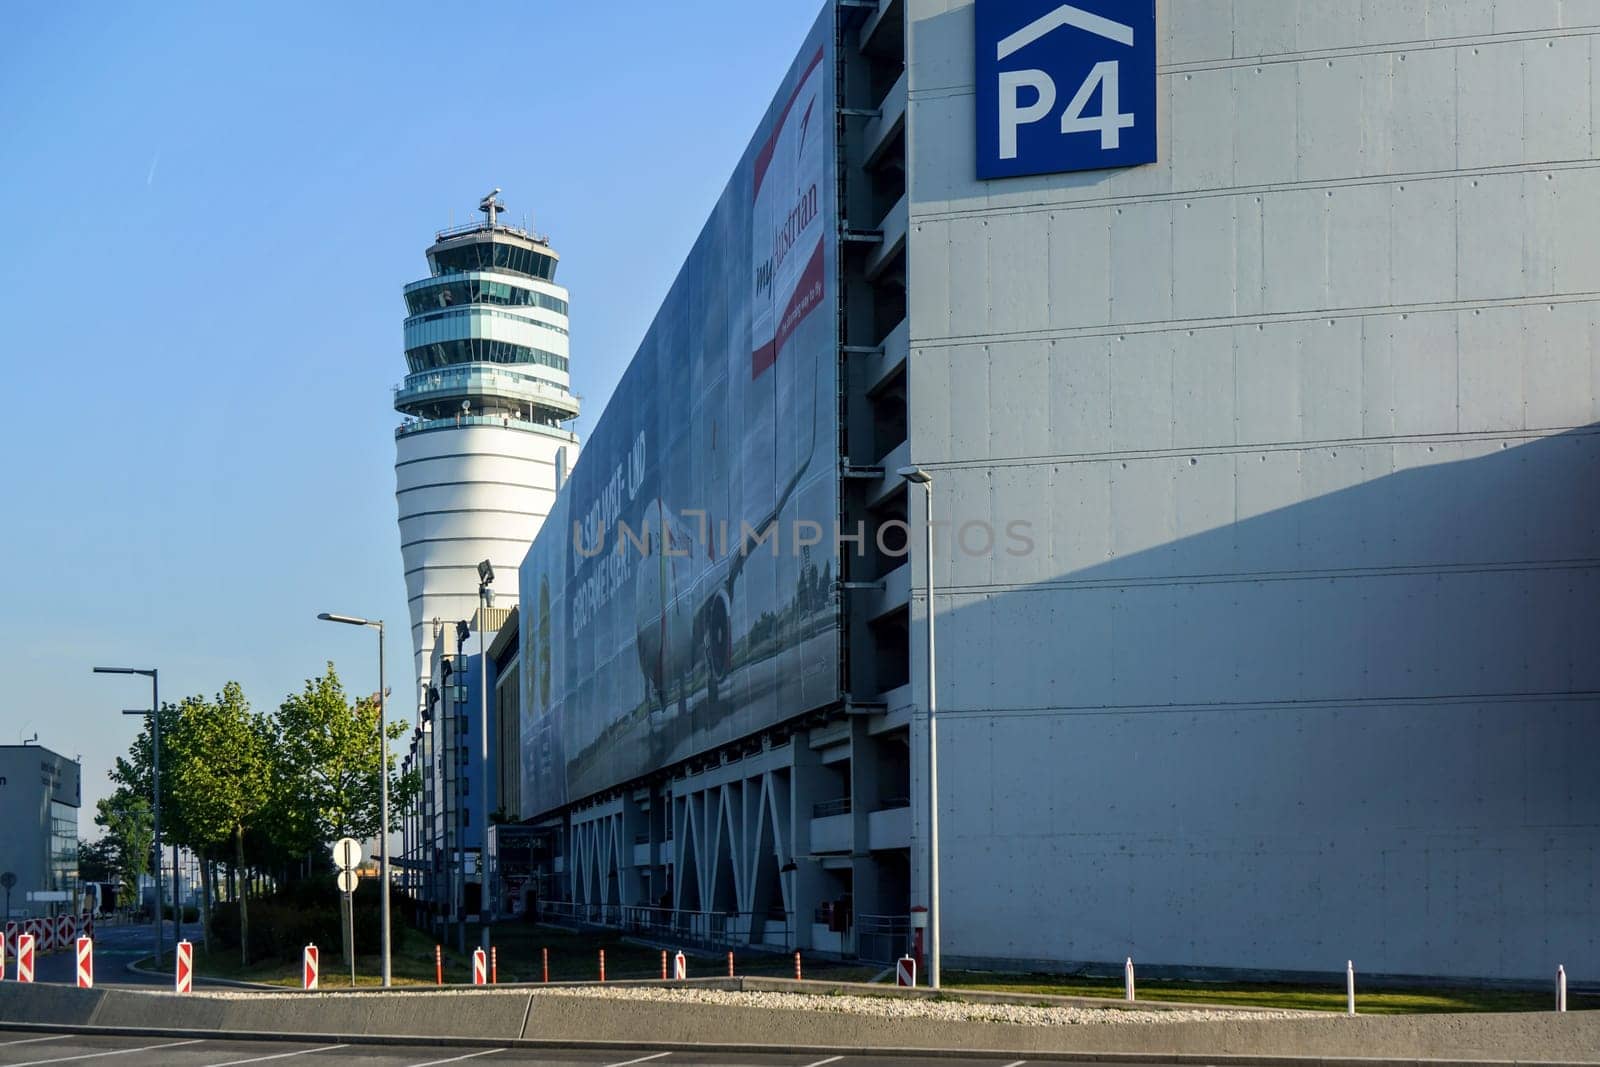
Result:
[383,784]
[177,887]
[918,476]
[155,776]
[485,600]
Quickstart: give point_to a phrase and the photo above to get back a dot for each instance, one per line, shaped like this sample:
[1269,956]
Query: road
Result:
[114,948]
[21,1049]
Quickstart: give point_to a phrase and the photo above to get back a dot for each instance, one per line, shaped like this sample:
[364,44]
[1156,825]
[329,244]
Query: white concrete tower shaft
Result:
[486,401]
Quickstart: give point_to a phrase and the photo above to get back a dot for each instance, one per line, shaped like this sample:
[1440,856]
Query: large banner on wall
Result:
[680,594]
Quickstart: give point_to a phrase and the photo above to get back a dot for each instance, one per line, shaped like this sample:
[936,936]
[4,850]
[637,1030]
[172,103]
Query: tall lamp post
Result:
[383,785]
[177,882]
[918,476]
[485,599]
[155,777]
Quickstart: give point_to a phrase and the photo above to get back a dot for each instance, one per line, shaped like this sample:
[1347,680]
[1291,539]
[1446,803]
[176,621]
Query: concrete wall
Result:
[1303,666]
[31,778]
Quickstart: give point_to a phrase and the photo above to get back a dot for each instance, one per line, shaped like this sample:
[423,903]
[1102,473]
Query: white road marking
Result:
[830,1059]
[1016,1063]
[31,1040]
[641,1059]
[112,1052]
[457,1059]
[276,1056]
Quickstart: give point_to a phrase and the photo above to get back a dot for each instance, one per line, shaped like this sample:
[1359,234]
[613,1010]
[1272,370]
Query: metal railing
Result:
[711,929]
[499,227]
[506,421]
[477,378]
[831,807]
[882,938]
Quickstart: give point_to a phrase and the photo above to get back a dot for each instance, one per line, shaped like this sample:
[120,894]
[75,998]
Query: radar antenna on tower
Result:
[491,206]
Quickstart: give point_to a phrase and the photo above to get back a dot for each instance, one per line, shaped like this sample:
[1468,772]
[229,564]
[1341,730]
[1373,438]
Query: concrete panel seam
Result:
[1268,447]
[1158,326]
[1229,192]
[965,88]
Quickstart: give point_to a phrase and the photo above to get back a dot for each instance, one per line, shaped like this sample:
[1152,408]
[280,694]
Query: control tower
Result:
[483,444]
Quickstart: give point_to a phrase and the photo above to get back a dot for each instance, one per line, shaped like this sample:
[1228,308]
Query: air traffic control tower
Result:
[483,445]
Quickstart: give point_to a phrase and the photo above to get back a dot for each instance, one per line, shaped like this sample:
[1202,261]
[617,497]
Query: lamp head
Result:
[915,474]
[348,620]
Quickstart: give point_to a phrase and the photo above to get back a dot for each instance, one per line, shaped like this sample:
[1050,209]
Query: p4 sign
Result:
[1065,86]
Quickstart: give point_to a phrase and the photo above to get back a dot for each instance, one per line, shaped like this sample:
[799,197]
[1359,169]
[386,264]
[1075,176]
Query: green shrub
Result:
[283,924]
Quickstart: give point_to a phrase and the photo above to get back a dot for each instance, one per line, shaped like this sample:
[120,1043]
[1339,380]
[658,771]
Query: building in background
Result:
[442,832]
[485,403]
[40,795]
[1289,655]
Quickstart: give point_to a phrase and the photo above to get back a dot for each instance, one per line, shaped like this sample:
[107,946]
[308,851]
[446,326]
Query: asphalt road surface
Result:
[22,1049]
[114,948]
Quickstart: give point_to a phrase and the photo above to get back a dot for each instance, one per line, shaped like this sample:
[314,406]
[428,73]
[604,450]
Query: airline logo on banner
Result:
[786,257]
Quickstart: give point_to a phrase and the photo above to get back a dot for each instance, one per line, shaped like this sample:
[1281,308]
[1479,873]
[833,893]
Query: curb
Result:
[234,983]
[764,984]
[1183,1058]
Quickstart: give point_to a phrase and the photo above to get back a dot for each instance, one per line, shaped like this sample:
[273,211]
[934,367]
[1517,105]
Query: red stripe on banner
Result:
[764,157]
[807,295]
[762,358]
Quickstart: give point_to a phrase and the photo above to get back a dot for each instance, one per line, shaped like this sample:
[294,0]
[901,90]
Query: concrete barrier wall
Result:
[509,1015]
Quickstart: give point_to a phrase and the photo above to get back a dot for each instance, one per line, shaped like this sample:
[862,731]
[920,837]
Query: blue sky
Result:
[208,213]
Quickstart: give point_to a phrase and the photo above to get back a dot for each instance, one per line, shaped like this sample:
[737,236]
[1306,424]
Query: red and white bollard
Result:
[25,957]
[438,965]
[797,966]
[730,964]
[1127,979]
[663,965]
[905,972]
[480,964]
[183,976]
[494,964]
[680,967]
[85,963]
[546,954]
[309,968]
[602,965]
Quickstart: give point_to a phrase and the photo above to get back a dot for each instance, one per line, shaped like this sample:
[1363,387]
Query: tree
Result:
[97,860]
[223,770]
[330,759]
[330,764]
[129,837]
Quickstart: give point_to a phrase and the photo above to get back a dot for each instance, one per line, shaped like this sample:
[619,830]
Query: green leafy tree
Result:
[331,759]
[129,837]
[132,773]
[223,769]
[331,764]
[97,861]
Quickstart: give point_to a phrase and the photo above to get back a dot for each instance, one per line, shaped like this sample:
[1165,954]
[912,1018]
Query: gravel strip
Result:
[905,1008]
